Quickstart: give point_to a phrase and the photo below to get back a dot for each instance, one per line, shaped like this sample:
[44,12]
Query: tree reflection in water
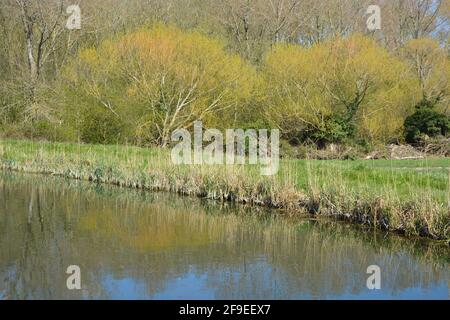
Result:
[133,244]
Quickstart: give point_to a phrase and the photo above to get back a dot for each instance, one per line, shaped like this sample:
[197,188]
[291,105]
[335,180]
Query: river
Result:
[130,244]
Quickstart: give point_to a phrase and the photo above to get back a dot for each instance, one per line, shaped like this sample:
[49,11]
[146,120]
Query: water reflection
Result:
[136,245]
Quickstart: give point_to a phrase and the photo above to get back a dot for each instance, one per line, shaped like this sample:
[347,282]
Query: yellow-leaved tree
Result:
[144,85]
[346,88]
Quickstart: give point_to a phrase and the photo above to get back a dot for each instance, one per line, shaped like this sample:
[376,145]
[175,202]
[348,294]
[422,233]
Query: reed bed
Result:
[405,196]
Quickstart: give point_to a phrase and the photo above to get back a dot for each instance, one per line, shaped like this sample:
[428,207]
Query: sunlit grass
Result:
[410,196]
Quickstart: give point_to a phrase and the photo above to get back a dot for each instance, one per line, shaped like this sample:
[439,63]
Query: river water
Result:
[130,244]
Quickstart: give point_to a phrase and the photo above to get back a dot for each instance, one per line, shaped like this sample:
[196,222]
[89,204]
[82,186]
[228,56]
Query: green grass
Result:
[408,179]
[408,196]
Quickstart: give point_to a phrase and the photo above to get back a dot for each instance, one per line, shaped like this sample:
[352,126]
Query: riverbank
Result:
[406,196]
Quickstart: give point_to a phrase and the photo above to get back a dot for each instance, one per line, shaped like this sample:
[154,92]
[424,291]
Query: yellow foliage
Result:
[162,78]
[309,84]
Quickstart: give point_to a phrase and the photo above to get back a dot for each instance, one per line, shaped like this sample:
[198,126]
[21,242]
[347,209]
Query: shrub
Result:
[102,127]
[426,121]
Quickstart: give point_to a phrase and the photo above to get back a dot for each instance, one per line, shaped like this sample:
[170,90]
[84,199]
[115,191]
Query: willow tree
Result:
[150,82]
[338,90]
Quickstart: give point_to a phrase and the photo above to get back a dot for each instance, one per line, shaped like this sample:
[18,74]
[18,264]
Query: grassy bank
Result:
[408,196]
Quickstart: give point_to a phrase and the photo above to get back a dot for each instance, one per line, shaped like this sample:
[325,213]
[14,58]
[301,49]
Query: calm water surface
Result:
[141,245]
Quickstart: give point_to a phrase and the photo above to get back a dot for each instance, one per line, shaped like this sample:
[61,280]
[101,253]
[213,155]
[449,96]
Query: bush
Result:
[426,121]
[102,127]
[335,129]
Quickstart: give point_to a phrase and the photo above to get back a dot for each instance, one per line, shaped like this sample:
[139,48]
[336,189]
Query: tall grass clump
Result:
[409,197]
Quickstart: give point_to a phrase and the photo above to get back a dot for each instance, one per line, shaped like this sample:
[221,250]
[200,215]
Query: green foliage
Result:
[426,121]
[334,129]
[99,126]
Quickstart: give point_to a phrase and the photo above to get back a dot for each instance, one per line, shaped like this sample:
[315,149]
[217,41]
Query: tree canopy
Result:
[137,70]
[150,82]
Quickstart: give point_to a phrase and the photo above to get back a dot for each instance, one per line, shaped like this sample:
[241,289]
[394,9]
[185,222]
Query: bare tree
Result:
[41,27]
[404,20]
